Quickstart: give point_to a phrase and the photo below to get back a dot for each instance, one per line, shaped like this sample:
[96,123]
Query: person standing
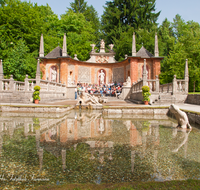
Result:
[75,93]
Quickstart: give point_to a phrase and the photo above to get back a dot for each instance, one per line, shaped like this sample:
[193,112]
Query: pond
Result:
[90,147]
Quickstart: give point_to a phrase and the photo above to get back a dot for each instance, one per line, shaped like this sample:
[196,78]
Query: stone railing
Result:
[181,86]
[152,83]
[177,86]
[28,85]
[52,86]
[166,88]
[137,86]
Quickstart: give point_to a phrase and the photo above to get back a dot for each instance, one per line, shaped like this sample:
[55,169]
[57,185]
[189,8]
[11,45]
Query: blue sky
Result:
[188,9]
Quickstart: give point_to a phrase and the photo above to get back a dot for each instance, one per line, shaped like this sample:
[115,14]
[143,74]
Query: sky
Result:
[188,9]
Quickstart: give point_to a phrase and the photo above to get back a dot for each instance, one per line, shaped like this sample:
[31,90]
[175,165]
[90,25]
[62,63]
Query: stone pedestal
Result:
[125,92]
[71,92]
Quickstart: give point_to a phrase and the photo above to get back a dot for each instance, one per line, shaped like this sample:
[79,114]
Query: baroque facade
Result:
[101,68]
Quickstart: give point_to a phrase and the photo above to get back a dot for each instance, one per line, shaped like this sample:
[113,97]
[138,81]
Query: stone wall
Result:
[35,109]
[193,99]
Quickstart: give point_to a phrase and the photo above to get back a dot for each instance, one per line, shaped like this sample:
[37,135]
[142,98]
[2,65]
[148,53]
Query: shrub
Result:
[146,93]
[36,93]
[37,88]
[145,89]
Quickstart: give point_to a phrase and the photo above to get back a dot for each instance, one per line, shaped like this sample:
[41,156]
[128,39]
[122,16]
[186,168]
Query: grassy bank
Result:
[188,184]
[194,93]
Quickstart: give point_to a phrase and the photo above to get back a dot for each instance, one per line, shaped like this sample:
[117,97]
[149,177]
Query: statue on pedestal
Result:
[53,74]
[101,77]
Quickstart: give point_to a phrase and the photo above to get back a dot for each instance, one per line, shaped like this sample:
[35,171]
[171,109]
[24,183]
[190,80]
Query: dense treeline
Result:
[22,23]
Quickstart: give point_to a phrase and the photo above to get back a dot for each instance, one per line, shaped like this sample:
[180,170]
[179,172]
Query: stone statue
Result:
[101,76]
[111,46]
[93,46]
[87,99]
[180,116]
[102,44]
[69,80]
[128,82]
[53,74]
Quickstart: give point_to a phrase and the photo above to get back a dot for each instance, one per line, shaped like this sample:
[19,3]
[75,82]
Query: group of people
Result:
[111,89]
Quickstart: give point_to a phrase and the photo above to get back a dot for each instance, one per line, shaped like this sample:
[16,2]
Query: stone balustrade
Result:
[52,86]
[29,84]
[166,88]
[137,86]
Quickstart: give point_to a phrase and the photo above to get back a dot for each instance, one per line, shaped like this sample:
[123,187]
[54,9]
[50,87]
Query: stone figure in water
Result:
[180,116]
[87,99]
[101,76]
[53,74]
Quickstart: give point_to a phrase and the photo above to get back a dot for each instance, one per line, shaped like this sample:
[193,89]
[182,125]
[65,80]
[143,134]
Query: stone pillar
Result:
[1,74]
[186,76]
[174,85]
[38,73]
[64,50]
[134,45]
[156,51]
[144,74]
[26,83]
[157,84]
[133,69]
[11,84]
[41,53]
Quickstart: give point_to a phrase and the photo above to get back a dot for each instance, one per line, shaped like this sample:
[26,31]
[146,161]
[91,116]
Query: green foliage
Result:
[15,63]
[146,93]
[37,88]
[119,16]
[145,89]
[36,93]
[90,14]
[185,45]
[79,37]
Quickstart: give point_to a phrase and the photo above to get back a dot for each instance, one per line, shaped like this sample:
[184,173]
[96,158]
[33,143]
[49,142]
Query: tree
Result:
[186,46]
[167,37]
[23,20]
[91,15]
[15,63]
[121,15]
[80,34]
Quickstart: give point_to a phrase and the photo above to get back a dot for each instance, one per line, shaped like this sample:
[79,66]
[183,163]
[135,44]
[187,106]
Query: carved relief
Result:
[118,74]
[84,74]
[102,59]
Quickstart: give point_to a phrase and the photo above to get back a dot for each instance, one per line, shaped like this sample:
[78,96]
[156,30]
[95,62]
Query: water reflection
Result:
[92,147]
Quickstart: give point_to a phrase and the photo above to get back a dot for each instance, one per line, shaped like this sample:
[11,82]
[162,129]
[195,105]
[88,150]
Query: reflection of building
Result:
[101,134]
[101,67]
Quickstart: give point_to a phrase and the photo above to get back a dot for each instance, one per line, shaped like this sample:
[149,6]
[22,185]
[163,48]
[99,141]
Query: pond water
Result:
[89,147]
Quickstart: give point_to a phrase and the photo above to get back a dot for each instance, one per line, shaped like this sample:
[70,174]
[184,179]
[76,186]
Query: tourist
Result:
[75,93]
